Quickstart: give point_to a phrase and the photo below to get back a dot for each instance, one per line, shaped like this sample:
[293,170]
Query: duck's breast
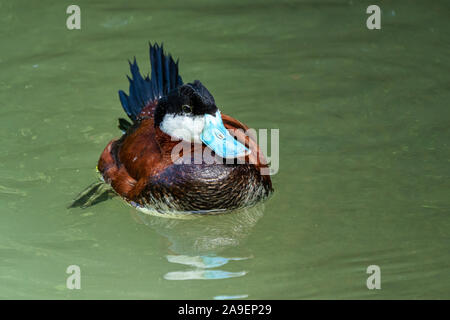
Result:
[206,187]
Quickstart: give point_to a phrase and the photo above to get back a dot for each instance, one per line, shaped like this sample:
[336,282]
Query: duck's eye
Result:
[186,108]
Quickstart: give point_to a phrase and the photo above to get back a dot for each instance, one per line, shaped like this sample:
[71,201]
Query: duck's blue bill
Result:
[217,137]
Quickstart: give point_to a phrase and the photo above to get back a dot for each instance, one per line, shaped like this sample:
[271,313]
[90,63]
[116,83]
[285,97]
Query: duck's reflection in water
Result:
[197,240]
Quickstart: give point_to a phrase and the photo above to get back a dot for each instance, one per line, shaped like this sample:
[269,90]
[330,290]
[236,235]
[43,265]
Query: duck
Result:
[178,152]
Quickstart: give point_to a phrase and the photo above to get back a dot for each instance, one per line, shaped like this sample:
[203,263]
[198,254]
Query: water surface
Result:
[364,150]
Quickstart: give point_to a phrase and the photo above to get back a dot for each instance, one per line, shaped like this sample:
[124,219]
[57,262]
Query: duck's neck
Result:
[183,127]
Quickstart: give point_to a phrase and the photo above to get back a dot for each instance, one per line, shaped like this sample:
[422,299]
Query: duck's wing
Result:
[128,163]
[241,132]
[144,92]
[232,123]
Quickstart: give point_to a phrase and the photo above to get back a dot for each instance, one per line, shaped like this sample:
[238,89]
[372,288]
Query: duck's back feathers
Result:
[164,77]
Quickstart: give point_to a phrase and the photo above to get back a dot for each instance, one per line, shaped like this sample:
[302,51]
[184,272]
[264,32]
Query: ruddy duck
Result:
[167,114]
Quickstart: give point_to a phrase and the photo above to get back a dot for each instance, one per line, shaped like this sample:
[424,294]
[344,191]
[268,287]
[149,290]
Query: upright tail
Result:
[164,77]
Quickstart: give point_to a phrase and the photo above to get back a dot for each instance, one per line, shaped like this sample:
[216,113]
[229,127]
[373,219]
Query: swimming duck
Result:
[155,164]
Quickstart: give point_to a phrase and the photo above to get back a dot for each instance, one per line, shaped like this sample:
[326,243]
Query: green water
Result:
[364,149]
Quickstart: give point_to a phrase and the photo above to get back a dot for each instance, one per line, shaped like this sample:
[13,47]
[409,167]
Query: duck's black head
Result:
[188,101]
[189,113]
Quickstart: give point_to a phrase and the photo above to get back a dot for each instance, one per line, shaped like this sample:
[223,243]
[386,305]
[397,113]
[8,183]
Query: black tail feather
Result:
[164,77]
[124,125]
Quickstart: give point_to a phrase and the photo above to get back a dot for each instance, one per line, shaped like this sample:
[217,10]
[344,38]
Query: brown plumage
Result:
[139,168]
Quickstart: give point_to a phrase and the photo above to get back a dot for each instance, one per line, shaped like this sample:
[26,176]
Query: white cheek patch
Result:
[187,128]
